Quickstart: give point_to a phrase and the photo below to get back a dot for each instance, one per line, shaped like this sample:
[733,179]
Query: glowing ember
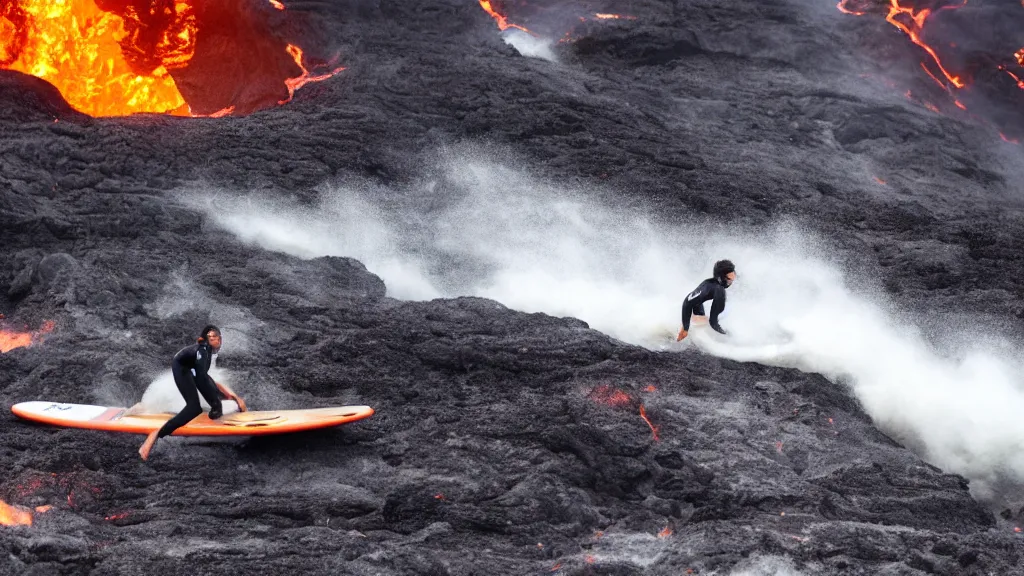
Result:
[1017,79]
[665,532]
[589,559]
[277,4]
[294,84]
[556,567]
[117,516]
[82,51]
[613,17]
[605,394]
[503,23]
[879,180]
[439,496]
[14,516]
[650,388]
[654,429]
[9,339]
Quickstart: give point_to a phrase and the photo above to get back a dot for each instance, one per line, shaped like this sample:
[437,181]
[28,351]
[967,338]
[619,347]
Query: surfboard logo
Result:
[61,407]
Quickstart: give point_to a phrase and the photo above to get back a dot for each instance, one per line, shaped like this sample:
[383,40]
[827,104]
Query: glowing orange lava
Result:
[14,515]
[665,532]
[654,429]
[294,84]
[846,10]
[81,49]
[503,23]
[11,339]
[607,395]
[277,4]
[614,17]
[914,29]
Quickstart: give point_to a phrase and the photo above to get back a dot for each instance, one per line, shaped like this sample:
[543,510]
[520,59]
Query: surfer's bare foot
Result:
[148,444]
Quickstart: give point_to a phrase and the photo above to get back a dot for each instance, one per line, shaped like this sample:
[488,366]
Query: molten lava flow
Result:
[654,429]
[916,27]
[665,532]
[294,84]
[1019,55]
[277,4]
[14,516]
[843,7]
[503,23]
[10,339]
[103,63]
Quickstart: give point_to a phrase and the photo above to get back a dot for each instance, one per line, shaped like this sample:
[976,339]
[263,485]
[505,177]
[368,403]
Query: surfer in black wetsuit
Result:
[190,367]
[711,289]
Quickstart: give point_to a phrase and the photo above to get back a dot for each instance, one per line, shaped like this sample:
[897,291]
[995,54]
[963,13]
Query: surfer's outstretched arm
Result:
[230,395]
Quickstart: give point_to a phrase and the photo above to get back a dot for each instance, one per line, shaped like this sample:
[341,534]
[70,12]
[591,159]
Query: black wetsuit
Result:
[190,368]
[710,289]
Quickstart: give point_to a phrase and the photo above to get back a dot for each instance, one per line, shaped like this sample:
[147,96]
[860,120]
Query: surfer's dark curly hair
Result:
[206,331]
[724,267]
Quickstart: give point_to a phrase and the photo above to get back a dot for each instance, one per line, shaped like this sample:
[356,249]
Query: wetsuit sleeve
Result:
[717,306]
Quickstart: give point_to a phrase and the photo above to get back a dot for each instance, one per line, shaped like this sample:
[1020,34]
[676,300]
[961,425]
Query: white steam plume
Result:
[530,46]
[488,231]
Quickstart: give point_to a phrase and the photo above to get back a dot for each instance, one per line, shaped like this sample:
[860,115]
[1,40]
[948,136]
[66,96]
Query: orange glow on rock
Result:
[14,515]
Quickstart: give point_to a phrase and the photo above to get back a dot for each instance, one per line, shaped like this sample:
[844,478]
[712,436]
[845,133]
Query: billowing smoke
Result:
[489,231]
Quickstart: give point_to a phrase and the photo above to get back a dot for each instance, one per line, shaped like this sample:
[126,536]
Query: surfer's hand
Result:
[241,403]
[682,334]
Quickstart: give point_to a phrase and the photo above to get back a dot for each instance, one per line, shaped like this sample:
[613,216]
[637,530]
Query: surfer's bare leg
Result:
[148,444]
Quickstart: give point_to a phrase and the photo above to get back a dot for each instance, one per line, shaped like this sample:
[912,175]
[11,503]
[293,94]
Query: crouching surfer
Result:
[711,289]
[190,367]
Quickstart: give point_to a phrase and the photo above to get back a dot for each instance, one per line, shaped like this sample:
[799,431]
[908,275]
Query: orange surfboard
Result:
[114,419]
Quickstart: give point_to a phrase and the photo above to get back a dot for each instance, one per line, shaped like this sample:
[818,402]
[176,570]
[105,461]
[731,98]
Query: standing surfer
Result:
[190,367]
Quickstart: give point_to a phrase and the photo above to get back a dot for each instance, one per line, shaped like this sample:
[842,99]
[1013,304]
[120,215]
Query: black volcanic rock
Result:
[504,442]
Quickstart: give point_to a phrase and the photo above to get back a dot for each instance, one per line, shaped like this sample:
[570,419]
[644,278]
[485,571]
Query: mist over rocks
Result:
[438,231]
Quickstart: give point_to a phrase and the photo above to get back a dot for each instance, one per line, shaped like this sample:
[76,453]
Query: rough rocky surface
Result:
[504,442]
